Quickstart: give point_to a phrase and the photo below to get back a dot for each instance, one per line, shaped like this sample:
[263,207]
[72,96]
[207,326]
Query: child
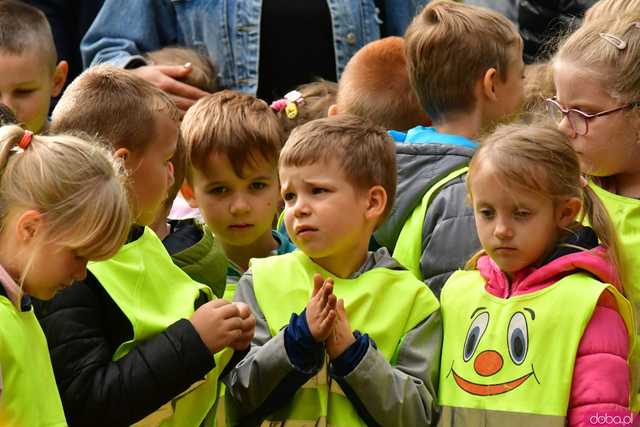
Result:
[382,335]
[203,74]
[375,85]
[30,73]
[233,142]
[611,8]
[536,332]
[48,232]
[308,102]
[135,340]
[431,229]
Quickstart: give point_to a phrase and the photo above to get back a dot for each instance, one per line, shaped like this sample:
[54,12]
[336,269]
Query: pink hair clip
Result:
[26,139]
[279,105]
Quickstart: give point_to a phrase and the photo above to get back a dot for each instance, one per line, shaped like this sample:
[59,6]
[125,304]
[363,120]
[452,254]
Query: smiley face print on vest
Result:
[495,356]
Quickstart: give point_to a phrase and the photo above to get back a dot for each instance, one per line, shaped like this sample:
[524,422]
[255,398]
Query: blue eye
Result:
[476,330]
[518,338]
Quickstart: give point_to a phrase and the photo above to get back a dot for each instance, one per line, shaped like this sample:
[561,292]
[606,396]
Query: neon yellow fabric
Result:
[153,293]
[384,303]
[408,249]
[230,291]
[29,395]
[516,354]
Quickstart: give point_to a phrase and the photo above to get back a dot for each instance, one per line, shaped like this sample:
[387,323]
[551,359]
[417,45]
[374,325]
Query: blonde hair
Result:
[23,28]
[593,49]
[203,75]
[610,9]
[538,158]
[114,105]
[538,85]
[364,151]
[375,85]
[233,124]
[77,186]
[449,46]
[318,96]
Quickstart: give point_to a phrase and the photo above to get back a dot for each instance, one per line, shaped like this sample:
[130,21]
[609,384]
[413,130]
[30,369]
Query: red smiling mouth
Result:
[488,389]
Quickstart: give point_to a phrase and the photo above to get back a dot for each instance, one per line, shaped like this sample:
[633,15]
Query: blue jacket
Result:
[228,31]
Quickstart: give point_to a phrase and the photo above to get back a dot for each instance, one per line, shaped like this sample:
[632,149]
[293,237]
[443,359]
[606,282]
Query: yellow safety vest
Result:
[408,248]
[153,293]
[29,396]
[514,356]
[384,303]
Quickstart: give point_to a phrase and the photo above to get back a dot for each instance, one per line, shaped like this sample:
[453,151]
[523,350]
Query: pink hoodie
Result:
[601,374]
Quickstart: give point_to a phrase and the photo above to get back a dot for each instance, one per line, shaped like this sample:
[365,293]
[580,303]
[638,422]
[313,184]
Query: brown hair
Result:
[365,152]
[592,49]
[77,185]
[449,46]
[234,124]
[203,75]
[114,105]
[23,28]
[538,158]
[375,85]
[611,9]
[317,97]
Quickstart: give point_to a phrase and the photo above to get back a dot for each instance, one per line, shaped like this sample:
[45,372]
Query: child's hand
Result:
[248,327]
[218,323]
[342,336]
[321,309]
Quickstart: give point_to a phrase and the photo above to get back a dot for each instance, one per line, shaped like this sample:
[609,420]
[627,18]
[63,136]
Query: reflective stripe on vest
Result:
[517,354]
[408,248]
[384,303]
[29,395]
[153,294]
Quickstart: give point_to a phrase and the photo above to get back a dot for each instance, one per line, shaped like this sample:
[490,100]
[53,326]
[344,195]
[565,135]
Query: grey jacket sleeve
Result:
[449,236]
[404,394]
[265,379]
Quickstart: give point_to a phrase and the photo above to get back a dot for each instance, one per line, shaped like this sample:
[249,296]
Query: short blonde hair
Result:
[203,75]
[538,85]
[113,105]
[23,28]
[233,124]
[611,9]
[375,85]
[365,152]
[317,97]
[449,46]
[593,49]
[77,185]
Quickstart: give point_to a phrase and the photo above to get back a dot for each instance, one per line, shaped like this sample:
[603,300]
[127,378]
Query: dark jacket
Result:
[84,327]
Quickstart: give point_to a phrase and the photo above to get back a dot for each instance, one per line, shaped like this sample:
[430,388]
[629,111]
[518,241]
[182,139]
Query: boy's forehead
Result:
[35,59]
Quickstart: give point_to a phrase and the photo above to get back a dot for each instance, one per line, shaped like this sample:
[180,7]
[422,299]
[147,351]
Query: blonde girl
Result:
[535,331]
[62,203]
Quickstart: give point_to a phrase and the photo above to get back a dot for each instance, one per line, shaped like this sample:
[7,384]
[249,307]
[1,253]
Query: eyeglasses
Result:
[578,120]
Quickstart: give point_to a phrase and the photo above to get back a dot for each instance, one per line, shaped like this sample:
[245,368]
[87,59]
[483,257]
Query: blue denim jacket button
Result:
[351,39]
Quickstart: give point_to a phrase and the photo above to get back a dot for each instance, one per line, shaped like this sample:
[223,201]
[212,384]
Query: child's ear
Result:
[333,110]
[376,202]
[188,194]
[567,211]
[489,84]
[59,78]
[28,224]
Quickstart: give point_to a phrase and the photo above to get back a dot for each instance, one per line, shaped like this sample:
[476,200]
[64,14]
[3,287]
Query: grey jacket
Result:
[449,236]
[399,395]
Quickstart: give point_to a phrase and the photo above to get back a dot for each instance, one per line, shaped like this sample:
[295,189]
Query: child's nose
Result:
[239,205]
[502,230]
[301,208]
[566,128]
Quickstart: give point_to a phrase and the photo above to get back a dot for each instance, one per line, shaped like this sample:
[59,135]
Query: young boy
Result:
[375,85]
[31,73]
[135,340]
[378,324]
[233,141]
[465,63]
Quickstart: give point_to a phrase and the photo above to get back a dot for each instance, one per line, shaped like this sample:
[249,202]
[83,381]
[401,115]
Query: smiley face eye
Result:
[476,330]
[518,338]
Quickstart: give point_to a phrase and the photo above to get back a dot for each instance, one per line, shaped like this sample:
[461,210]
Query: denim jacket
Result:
[227,31]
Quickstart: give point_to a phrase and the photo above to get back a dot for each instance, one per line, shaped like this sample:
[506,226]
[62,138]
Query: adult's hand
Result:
[166,78]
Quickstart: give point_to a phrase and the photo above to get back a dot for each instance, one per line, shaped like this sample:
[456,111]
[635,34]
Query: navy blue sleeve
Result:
[304,352]
[349,360]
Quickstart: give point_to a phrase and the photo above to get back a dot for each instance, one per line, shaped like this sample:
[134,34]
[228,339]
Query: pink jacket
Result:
[601,374]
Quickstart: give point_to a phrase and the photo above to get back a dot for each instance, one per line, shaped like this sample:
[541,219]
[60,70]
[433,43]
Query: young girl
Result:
[62,203]
[536,331]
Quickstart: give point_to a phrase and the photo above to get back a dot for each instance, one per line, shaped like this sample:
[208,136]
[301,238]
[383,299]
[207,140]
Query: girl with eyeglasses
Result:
[597,104]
